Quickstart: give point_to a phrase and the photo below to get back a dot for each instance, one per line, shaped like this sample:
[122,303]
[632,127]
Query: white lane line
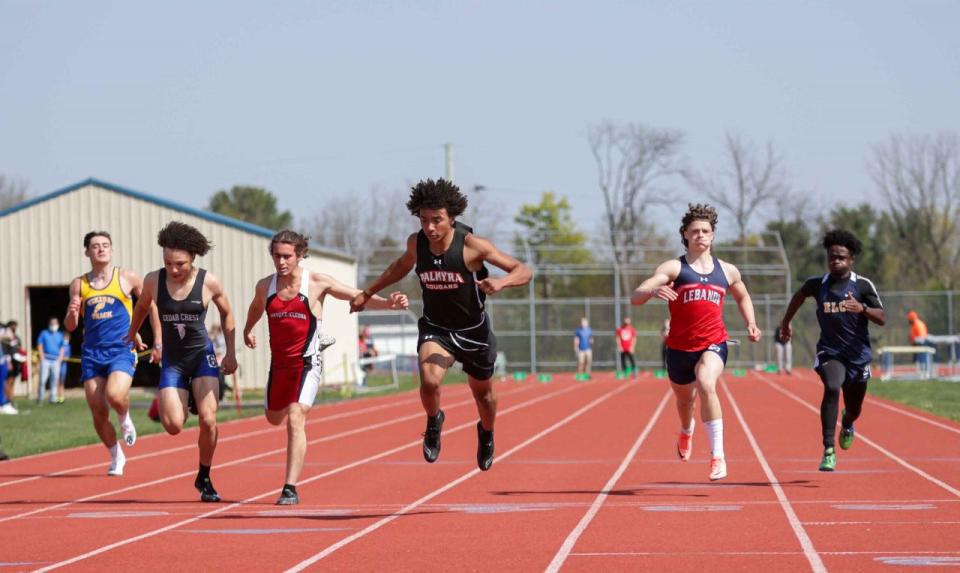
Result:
[329,438]
[373,527]
[902,411]
[571,540]
[176,449]
[868,441]
[273,492]
[816,564]
[749,553]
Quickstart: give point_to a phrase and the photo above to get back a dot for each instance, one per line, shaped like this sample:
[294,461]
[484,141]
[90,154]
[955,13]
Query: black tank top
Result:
[182,321]
[451,298]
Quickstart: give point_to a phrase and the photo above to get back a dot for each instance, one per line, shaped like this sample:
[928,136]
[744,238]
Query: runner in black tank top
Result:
[188,366]
[846,304]
[449,260]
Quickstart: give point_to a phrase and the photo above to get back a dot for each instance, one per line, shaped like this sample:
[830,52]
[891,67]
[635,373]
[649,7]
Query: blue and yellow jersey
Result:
[106,314]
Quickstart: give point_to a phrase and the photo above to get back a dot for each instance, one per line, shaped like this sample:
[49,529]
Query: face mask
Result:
[54,327]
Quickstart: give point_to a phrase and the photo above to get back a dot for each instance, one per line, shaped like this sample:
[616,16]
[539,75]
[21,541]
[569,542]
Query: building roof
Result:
[208,215]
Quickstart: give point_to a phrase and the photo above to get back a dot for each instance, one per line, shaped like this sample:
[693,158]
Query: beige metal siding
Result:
[42,245]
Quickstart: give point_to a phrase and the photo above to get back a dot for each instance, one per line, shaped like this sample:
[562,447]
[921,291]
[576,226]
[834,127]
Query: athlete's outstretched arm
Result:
[255,311]
[659,285]
[518,274]
[219,298]
[786,331]
[744,303]
[326,284]
[136,289]
[73,309]
[144,305]
[396,271]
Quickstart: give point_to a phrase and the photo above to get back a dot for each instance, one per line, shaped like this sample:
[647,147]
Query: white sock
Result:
[125,419]
[115,449]
[715,434]
[689,431]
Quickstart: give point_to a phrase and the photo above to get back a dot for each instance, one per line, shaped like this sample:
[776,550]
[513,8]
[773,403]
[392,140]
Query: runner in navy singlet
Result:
[449,261]
[846,304]
[293,301]
[188,362]
[694,287]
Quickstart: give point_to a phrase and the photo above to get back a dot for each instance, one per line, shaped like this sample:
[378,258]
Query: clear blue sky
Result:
[316,98]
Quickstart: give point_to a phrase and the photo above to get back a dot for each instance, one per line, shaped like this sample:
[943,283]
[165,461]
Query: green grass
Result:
[934,396]
[47,427]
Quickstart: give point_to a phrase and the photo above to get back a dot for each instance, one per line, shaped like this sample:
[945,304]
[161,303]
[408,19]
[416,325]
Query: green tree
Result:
[802,250]
[554,240]
[251,204]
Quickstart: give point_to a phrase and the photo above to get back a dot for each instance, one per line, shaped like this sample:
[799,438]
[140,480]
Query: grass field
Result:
[42,428]
[934,396]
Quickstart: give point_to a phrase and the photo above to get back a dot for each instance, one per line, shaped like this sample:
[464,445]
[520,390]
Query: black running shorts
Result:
[475,348]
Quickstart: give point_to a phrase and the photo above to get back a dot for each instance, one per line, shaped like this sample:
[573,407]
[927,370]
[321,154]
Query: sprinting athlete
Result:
[182,292]
[449,261]
[694,287]
[846,304]
[103,298]
[293,300]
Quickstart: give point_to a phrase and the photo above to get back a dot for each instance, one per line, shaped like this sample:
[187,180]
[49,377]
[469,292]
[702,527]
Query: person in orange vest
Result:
[918,337]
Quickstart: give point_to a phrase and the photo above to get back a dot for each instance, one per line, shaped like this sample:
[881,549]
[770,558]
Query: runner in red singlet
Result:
[694,287]
[293,300]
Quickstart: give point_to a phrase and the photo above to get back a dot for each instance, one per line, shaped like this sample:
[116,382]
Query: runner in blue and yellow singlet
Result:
[102,297]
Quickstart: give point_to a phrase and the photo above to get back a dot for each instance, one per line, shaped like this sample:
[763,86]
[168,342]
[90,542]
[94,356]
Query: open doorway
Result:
[45,302]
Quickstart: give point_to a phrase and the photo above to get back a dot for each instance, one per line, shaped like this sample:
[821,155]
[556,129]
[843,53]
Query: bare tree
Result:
[12,192]
[361,226]
[631,161]
[750,181]
[920,178]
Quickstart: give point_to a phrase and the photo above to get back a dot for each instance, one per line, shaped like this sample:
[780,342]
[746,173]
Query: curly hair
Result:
[698,212]
[288,237]
[842,238]
[92,234]
[439,194]
[183,237]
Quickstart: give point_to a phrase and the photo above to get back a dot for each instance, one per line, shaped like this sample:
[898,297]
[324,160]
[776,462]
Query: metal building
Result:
[41,242]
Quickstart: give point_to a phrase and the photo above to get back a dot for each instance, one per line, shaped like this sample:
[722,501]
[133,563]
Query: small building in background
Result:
[42,242]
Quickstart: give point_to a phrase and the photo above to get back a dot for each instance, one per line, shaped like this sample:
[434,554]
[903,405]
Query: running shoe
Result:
[846,434]
[205,487]
[484,447]
[685,446]
[829,461]
[718,469]
[431,437]
[288,497]
[325,341]
[129,431]
[9,408]
[117,463]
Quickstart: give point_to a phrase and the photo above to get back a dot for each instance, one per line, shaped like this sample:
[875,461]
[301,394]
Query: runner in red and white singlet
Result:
[293,300]
[694,287]
[295,364]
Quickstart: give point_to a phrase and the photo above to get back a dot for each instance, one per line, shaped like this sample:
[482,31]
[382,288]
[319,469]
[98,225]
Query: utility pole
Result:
[448,155]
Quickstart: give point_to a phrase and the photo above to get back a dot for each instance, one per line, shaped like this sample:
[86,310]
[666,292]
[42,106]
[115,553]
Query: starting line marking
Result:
[264,531]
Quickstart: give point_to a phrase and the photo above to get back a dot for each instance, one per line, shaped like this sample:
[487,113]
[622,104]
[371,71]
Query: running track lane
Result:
[179,491]
[877,508]
[664,514]
[62,462]
[166,539]
[508,519]
[87,488]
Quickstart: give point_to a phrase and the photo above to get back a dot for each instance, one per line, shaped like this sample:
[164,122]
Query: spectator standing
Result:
[50,345]
[784,354]
[582,345]
[627,342]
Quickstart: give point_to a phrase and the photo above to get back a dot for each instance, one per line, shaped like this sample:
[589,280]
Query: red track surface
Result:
[586,478]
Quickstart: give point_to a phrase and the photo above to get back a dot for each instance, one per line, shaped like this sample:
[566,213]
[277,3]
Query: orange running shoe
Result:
[718,469]
[685,446]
